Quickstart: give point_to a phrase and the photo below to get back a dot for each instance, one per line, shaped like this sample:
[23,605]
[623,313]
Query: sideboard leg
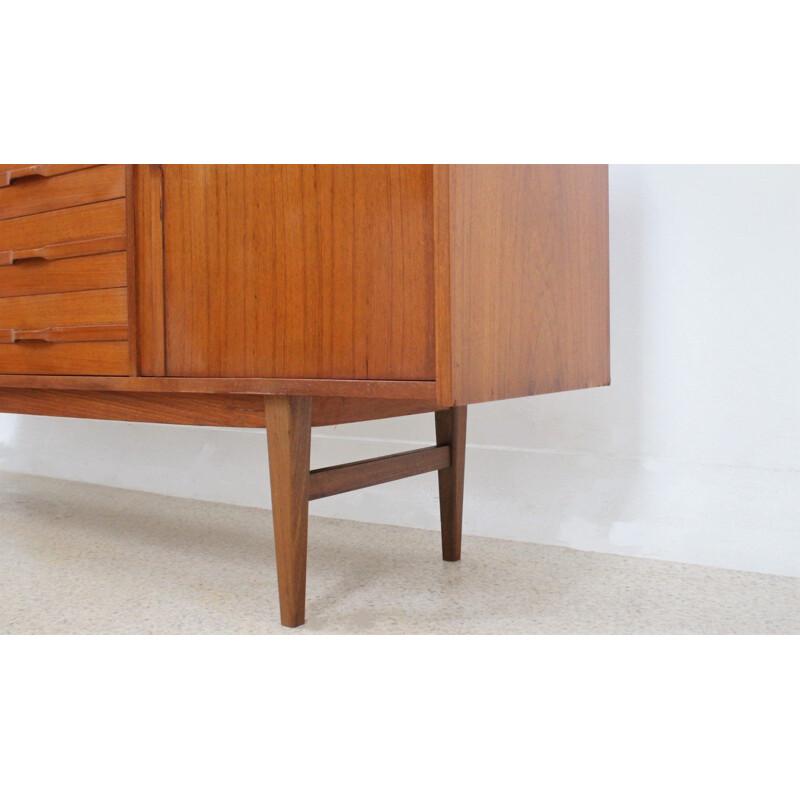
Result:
[289,439]
[451,428]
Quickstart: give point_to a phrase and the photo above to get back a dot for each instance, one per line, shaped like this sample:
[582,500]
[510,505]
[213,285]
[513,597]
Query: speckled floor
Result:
[77,558]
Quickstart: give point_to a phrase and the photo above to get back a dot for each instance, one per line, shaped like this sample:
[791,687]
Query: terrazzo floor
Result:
[78,558]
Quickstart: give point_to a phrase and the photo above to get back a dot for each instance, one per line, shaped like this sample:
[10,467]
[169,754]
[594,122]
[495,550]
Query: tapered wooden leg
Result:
[289,439]
[451,428]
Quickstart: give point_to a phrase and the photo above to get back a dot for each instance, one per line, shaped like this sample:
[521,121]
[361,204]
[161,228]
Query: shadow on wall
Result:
[222,464]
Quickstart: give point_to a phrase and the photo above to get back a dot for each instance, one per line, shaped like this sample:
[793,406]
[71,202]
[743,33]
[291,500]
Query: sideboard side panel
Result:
[299,271]
[529,279]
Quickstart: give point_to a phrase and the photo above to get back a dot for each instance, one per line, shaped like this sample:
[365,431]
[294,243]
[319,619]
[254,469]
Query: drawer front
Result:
[40,193]
[72,333]
[71,232]
[64,358]
[11,173]
[37,276]
[99,307]
[63,274]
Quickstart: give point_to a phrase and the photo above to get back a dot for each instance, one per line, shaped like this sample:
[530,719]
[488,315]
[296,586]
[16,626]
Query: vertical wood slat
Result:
[442,288]
[130,254]
[148,266]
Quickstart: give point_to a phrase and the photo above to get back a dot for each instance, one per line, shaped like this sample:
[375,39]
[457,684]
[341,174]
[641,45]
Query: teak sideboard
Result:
[289,296]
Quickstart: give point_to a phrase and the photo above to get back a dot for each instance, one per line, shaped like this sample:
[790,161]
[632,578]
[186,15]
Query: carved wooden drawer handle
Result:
[53,252]
[39,171]
[71,333]
[42,170]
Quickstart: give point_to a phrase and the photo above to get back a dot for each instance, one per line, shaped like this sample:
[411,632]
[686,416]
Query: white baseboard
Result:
[718,515]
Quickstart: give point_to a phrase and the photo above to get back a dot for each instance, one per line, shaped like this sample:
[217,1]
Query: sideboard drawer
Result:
[37,276]
[63,273]
[70,232]
[96,307]
[64,358]
[72,333]
[9,173]
[49,189]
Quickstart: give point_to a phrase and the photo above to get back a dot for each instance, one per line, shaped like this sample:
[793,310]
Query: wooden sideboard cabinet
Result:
[289,296]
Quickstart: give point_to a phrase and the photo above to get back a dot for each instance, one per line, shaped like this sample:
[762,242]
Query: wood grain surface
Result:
[442,285]
[63,250]
[329,481]
[295,279]
[11,173]
[132,316]
[90,222]
[451,429]
[148,210]
[35,195]
[95,307]
[528,249]
[293,271]
[37,276]
[183,408]
[423,391]
[66,333]
[289,439]
[39,359]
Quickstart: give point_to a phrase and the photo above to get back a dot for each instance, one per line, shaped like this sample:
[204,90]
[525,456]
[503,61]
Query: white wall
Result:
[692,455]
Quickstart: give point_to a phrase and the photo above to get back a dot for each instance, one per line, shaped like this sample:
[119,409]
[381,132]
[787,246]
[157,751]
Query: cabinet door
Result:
[299,271]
